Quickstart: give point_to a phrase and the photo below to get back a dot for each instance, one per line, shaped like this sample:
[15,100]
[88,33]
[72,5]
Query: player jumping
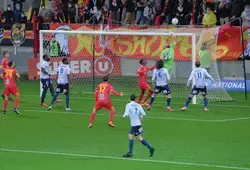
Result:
[4,65]
[9,75]
[142,72]
[136,114]
[199,75]
[160,78]
[167,55]
[46,80]
[63,83]
[102,100]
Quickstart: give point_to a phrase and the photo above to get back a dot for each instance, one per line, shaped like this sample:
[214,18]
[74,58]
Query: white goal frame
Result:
[133,33]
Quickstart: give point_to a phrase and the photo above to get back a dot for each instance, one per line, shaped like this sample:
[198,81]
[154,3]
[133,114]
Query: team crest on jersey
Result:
[18,33]
[1,34]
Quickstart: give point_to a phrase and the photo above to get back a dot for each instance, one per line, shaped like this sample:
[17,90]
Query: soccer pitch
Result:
[38,139]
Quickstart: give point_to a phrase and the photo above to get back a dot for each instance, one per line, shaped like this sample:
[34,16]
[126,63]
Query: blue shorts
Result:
[195,91]
[47,83]
[136,130]
[164,89]
[62,88]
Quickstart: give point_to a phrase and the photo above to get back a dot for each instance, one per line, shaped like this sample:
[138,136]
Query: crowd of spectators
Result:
[139,12]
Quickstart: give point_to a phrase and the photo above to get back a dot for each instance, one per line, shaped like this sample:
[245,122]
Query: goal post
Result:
[93,61]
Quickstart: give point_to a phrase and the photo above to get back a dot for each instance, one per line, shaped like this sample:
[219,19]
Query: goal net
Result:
[95,53]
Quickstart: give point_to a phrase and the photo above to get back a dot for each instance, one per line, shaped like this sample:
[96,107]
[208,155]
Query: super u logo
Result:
[103,65]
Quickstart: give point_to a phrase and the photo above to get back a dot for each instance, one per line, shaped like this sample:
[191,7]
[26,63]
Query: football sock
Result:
[205,102]
[43,95]
[92,118]
[145,143]
[188,101]
[54,98]
[131,145]
[148,96]
[5,104]
[52,92]
[67,101]
[140,97]
[151,100]
[17,102]
[168,102]
[111,116]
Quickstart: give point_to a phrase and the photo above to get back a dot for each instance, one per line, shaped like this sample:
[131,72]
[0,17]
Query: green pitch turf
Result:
[192,140]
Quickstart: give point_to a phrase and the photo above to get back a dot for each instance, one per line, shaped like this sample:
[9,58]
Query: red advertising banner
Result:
[229,46]
[80,67]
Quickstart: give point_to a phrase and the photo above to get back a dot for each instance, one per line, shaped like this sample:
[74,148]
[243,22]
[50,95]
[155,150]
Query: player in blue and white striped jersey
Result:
[136,113]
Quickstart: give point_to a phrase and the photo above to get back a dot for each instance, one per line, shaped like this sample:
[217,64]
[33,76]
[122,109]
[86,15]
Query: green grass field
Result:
[192,140]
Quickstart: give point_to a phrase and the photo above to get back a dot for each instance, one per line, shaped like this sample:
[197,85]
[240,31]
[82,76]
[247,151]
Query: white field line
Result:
[101,114]
[233,119]
[181,103]
[124,159]
[147,117]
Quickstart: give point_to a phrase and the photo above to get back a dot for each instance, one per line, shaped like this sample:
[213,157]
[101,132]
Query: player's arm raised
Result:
[126,111]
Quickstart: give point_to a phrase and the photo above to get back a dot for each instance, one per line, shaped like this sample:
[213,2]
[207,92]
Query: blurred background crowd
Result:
[122,12]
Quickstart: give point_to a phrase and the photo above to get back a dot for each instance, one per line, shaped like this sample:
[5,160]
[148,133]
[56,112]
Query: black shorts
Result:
[47,83]
[196,91]
[136,130]
[164,89]
[62,88]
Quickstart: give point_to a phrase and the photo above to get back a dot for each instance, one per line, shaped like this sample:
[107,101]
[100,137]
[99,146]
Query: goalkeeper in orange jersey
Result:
[102,100]
[144,86]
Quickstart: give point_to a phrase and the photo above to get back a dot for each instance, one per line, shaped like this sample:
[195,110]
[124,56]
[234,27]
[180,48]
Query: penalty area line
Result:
[124,159]
[233,119]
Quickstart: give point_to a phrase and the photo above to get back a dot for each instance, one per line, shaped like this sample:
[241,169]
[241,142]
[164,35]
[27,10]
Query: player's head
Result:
[132,97]
[106,78]
[143,62]
[65,61]
[11,64]
[6,54]
[159,64]
[197,64]
[46,57]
